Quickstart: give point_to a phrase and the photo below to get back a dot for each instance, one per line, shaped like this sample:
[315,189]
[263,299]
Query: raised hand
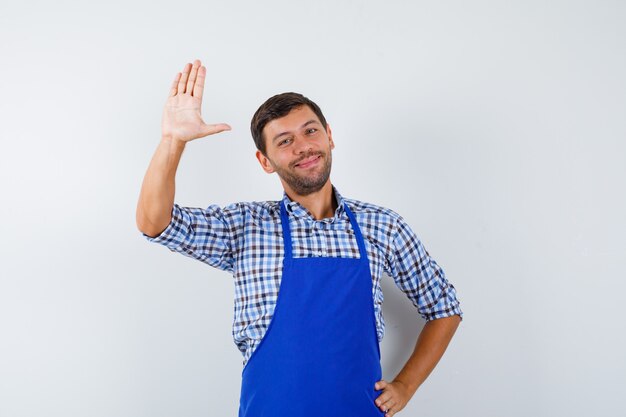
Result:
[182,117]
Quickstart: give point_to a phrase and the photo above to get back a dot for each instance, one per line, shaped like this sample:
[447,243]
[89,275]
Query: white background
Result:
[495,128]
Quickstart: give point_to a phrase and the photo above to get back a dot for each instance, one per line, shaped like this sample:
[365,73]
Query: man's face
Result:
[298,149]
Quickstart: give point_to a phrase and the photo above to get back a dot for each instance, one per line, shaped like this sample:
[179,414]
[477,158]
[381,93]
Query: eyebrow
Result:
[301,127]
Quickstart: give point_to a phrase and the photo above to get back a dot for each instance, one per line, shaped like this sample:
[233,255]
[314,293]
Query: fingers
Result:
[174,88]
[198,87]
[192,76]
[385,401]
[190,81]
[381,384]
[182,82]
[387,407]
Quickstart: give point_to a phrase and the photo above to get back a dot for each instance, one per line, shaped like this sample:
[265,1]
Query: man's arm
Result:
[431,344]
[157,191]
[425,284]
[182,122]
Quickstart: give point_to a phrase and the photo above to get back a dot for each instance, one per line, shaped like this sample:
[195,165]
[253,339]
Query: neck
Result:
[321,204]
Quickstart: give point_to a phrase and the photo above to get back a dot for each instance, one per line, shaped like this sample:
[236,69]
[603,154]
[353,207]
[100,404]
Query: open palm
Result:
[182,117]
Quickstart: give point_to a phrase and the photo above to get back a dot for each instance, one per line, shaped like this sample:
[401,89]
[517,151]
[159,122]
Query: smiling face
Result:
[298,149]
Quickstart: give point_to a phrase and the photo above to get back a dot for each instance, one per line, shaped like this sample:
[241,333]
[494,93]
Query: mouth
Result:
[308,162]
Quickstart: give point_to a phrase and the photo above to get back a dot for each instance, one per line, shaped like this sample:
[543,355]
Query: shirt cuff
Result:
[170,236]
[454,311]
[448,305]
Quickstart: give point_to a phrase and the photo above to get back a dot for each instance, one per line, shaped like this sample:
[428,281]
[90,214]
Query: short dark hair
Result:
[276,107]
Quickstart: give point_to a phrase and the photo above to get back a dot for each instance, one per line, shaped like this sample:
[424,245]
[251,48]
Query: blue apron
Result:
[320,354]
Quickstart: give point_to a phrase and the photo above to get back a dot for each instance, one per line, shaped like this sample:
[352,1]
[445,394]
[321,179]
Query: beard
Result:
[306,184]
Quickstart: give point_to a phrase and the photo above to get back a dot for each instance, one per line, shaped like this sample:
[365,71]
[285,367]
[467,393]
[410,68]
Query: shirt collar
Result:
[296,209]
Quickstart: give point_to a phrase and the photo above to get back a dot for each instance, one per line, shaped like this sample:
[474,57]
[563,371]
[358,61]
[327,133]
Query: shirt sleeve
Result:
[420,278]
[204,234]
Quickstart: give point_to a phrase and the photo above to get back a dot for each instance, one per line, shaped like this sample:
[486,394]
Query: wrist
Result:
[411,388]
[173,143]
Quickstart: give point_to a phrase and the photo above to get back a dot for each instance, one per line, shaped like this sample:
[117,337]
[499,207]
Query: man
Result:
[307,269]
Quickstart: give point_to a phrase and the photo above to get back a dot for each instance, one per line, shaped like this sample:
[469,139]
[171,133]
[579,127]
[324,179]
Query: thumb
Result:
[211,129]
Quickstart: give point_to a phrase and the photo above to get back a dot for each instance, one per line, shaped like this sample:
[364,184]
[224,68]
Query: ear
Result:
[265,162]
[329,132]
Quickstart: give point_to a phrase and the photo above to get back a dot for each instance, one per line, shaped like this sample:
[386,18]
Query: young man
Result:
[307,268]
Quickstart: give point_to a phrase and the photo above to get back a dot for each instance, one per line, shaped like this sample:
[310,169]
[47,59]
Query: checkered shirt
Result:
[246,240]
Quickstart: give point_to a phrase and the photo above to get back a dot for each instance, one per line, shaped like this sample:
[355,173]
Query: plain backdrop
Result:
[496,128]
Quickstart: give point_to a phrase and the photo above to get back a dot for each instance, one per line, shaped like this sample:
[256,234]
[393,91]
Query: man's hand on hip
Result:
[394,397]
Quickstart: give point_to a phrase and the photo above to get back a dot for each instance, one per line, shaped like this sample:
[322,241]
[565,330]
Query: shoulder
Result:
[380,224]
[255,211]
[365,209]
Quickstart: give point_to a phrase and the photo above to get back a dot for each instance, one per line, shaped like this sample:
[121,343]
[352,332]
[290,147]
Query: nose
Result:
[302,145]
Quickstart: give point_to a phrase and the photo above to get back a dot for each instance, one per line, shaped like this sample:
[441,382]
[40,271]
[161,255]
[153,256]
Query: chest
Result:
[260,250]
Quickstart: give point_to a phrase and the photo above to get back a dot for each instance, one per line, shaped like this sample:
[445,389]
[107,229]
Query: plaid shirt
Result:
[246,240]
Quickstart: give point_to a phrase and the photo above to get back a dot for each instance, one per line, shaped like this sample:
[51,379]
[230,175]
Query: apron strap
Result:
[284,221]
[357,232]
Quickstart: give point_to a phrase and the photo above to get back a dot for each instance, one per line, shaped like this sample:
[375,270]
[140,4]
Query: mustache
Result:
[307,156]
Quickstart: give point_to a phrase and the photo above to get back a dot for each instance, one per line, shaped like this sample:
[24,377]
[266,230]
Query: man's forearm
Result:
[431,344]
[156,199]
